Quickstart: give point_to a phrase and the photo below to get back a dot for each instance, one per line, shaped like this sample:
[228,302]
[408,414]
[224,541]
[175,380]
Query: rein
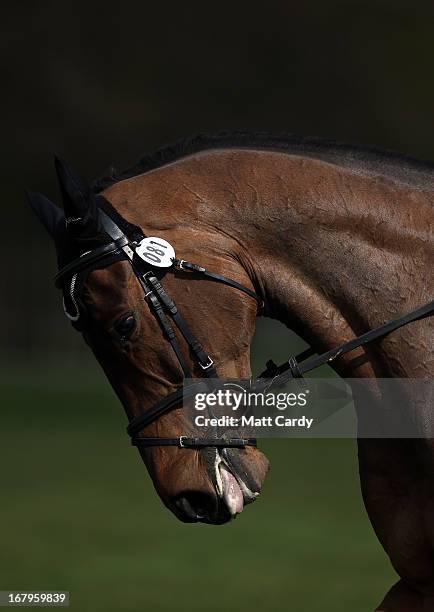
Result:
[144,257]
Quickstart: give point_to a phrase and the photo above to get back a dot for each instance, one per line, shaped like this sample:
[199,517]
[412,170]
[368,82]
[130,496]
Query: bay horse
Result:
[336,239]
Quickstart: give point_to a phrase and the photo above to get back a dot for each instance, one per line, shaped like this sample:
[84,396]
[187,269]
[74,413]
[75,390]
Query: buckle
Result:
[207,365]
[181,441]
[294,367]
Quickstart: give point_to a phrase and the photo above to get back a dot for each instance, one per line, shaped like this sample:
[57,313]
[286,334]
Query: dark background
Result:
[102,83]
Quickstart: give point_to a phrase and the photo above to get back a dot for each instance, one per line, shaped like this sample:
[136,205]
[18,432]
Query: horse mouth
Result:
[224,504]
[231,479]
[232,494]
[232,490]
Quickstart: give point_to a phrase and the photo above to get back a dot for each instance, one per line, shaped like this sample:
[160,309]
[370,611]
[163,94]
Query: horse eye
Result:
[125,326]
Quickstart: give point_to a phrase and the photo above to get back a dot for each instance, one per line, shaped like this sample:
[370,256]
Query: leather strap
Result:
[204,360]
[110,227]
[166,404]
[293,369]
[87,260]
[181,264]
[272,369]
[157,307]
[186,442]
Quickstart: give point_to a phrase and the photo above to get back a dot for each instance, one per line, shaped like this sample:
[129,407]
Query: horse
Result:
[335,239]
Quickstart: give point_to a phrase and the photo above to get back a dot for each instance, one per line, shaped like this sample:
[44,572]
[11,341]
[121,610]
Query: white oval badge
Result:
[156,252]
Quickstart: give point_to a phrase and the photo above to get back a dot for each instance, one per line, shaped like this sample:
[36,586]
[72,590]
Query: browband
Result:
[87,260]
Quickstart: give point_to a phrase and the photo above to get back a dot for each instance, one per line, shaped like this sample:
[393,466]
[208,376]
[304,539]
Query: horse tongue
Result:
[231,492]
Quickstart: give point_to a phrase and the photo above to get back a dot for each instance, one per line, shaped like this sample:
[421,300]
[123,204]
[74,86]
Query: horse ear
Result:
[48,213]
[81,212]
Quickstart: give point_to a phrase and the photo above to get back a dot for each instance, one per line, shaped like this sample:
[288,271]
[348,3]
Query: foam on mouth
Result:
[230,490]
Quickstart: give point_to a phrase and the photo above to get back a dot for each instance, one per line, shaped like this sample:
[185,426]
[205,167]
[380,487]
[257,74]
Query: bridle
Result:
[133,249]
[166,312]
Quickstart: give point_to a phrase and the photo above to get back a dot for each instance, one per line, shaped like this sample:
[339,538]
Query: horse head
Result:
[105,302]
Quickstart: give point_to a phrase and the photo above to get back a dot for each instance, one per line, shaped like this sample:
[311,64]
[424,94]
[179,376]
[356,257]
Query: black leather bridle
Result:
[166,312]
[124,247]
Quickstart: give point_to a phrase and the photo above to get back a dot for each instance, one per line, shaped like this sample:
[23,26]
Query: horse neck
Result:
[332,249]
[342,253]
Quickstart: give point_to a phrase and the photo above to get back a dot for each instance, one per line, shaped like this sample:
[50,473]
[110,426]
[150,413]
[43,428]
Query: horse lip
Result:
[248,495]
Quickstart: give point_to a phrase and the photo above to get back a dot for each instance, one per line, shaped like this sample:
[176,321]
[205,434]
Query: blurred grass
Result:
[79,513]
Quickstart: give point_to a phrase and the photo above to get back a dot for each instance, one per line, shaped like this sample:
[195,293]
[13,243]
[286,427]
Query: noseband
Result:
[144,255]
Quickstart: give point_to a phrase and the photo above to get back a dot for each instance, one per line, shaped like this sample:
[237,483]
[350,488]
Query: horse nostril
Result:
[196,506]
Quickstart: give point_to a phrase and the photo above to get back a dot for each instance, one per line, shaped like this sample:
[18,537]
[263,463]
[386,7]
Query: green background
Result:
[102,82]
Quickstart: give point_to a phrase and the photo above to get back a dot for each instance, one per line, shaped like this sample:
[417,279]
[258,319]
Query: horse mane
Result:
[371,159]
